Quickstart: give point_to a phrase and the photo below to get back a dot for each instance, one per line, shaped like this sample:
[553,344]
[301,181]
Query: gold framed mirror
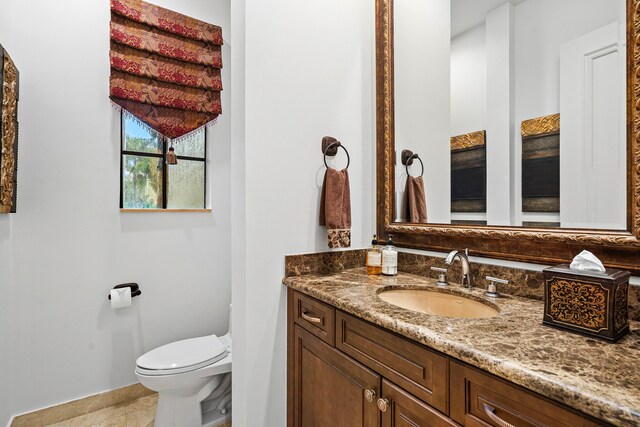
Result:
[618,246]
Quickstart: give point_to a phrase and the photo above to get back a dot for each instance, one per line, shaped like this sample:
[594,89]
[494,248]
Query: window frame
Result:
[165,171]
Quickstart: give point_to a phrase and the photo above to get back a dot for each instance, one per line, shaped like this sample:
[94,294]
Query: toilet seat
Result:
[182,356]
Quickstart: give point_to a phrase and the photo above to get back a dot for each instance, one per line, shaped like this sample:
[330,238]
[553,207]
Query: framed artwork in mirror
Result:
[548,195]
[469,176]
[541,164]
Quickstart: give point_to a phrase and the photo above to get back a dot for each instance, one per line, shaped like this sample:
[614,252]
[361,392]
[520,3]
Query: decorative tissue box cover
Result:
[587,302]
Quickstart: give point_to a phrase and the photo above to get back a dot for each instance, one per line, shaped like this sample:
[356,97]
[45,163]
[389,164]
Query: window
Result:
[148,182]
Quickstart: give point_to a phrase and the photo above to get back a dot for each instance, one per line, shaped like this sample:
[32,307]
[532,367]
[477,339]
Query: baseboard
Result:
[76,408]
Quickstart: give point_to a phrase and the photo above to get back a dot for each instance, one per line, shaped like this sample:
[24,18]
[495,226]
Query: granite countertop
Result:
[598,378]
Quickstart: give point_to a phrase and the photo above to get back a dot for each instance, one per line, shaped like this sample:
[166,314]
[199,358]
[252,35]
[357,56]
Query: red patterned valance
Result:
[165,67]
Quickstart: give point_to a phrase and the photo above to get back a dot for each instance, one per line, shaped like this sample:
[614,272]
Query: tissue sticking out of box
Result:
[586,261]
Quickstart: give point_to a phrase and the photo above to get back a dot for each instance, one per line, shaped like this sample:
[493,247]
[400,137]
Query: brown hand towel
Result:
[335,207]
[415,200]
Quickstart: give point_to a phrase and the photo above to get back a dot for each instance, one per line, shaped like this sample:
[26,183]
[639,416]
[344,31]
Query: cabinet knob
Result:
[369,395]
[383,404]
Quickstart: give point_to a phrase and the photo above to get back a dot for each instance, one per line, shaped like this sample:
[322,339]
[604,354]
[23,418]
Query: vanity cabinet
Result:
[346,372]
[314,316]
[478,399]
[331,389]
[400,409]
[418,370]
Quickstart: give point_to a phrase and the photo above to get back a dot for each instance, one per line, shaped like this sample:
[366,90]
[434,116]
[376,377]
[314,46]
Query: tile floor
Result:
[138,413]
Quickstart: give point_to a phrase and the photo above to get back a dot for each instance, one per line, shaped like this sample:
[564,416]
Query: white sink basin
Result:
[438,303]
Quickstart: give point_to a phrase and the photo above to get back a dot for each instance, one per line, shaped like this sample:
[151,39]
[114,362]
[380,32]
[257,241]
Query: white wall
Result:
[469,81]
[469,90]
[500,109]
[309,73]
[238,213]
[71,244]
[482,97]
[6,269]
[542,26]
[422,64]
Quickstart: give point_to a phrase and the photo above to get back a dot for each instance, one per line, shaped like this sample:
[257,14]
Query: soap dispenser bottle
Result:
[374,258]
[390,258]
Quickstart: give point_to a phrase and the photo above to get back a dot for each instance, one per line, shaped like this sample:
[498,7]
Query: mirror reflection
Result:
[511,112]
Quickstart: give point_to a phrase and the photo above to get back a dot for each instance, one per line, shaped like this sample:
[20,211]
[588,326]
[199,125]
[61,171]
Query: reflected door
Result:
[592,141]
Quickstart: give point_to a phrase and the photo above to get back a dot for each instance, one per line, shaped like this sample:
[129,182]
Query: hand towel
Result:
[335,207]
[415,203]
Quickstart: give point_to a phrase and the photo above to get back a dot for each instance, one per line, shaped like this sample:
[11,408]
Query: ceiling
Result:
[466,14]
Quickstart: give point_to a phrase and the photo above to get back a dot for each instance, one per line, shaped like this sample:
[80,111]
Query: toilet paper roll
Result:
[120,298]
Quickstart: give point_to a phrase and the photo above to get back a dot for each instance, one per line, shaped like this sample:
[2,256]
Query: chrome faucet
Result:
[464,263]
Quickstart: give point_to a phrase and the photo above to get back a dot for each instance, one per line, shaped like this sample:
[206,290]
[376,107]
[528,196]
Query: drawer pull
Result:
[311,319]
[491,413]
[383,405]
[369,395]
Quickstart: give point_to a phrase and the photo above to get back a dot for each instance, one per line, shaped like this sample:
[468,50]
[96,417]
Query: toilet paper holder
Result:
[135,289]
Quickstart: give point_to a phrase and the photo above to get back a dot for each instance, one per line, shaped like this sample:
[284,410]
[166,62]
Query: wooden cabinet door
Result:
[400,409]
[413,367]
[329,387]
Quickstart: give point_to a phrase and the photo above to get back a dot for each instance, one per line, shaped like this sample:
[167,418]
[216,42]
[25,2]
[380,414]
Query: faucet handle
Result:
[492,289]
[442,276]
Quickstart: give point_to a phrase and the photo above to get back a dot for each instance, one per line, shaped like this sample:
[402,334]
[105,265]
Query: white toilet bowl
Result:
[193,381]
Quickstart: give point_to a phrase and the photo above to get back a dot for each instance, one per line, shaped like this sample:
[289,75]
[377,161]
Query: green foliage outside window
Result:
[143,171]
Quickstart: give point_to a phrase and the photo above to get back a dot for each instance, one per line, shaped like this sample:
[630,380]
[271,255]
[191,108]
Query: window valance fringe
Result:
[194,133]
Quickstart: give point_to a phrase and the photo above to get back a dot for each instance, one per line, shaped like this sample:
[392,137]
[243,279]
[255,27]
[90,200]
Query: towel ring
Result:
[338,145]
[407,160]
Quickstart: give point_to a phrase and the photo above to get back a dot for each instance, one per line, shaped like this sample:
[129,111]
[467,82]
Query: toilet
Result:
[193,381]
